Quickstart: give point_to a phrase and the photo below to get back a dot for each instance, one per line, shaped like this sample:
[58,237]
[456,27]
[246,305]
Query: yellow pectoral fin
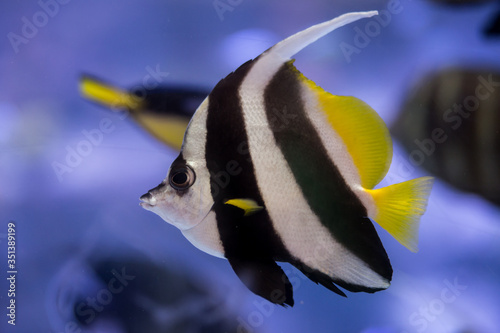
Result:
[399,208]
[364,133]
[248,205]
[107,95]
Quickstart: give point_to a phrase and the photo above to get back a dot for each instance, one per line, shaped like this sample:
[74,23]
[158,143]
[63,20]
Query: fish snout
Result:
[148,200]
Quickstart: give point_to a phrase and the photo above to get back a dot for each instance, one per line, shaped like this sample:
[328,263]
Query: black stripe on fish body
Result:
[468,134]
[252,247]
[447,91]
[494,193]
[458,152]
[494,111]
[432,160]
[488,137]
[250,243]
[324,188]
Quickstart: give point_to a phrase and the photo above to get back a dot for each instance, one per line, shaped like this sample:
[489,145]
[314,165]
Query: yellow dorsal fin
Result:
[364,133]
[398,209]
[108,95]
[248,205]
[167,128]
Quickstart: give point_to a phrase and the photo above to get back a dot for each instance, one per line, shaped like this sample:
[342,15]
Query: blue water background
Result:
[94,208]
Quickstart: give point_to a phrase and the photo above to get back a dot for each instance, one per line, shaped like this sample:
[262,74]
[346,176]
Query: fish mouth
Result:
[148,201]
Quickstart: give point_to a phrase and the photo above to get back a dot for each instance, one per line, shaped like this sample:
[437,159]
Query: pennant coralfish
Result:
[256,188]
[163,111]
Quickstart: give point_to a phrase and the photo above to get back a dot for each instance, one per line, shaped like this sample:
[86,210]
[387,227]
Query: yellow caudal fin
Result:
[107,95]
[398,209]
[249,206]
[363,132]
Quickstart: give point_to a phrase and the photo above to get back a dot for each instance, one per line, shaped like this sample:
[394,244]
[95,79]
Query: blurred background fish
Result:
[131,293]
[164,111]
[450,125]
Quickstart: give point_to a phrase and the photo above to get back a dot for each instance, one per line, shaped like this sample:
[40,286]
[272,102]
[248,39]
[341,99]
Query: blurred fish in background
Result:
[131,293]
[450,125]
[164,111]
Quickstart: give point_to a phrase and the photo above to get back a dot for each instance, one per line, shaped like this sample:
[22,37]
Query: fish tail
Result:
[107,95]
[398,209]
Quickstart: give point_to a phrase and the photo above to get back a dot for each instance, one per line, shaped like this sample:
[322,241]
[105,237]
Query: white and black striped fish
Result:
[273,168]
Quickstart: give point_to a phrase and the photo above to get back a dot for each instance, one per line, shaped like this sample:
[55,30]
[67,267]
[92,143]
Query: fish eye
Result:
[182,178]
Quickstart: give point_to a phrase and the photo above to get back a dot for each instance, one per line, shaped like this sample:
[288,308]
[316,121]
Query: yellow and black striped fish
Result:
[450,125]
[163,111]
[274,168]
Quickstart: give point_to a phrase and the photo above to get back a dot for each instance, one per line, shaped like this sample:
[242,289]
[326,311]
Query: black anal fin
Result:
[264,278]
